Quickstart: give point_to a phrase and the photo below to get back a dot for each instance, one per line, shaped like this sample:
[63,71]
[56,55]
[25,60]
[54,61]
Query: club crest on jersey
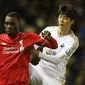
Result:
[21,45]
[62,45]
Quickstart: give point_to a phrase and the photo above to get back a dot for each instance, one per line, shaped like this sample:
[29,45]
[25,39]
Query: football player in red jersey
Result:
[14,58]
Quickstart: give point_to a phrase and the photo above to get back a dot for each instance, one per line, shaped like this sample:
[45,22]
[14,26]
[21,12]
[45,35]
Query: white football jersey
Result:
[54,64]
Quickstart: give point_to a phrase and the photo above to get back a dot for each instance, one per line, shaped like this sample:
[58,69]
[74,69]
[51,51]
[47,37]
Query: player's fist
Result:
[46,35]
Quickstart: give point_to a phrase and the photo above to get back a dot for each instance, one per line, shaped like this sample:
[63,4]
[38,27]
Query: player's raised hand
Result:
[46,35]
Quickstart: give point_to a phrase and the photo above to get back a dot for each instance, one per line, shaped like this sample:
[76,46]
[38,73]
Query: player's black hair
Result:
[14,14]
[68,10]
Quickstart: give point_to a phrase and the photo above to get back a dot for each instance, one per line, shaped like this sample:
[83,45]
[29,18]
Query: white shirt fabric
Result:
[53,61]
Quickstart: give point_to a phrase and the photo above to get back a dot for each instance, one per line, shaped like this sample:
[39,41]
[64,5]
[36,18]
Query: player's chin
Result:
[9,33]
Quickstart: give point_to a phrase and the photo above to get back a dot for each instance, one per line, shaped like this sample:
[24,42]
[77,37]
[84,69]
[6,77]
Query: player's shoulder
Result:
[73,39]
[28,34]
[51,27]
[73,36]
[3,35]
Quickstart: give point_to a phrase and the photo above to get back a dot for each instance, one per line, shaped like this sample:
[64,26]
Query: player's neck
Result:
[13,35]
[62,32]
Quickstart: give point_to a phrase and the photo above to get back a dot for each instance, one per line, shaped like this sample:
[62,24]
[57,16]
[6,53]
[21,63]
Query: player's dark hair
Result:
[68,10]
[14,14]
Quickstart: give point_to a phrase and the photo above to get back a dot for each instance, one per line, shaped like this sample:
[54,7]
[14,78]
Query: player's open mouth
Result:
[8,31]
[61,24]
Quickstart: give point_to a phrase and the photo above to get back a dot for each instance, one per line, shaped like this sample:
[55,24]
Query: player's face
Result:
[11,25]
[64,22]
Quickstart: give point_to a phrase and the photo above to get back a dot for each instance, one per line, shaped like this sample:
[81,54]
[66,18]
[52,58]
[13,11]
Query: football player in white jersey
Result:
[51,68]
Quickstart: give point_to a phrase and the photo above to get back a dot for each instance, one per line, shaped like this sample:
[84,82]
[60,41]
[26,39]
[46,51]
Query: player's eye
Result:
[12,23]
[60,16]
[6,23]
[66,18]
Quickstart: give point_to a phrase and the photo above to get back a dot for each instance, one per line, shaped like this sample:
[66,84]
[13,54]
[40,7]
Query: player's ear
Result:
[20,25]
[73,21]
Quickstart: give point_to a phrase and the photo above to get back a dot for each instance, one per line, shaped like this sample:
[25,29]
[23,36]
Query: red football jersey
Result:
[13,57]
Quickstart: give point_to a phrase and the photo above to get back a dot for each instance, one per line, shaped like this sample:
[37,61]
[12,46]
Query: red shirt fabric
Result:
[13,57]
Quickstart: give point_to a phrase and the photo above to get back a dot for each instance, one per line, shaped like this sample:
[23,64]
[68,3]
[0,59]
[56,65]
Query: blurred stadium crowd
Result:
[37,14]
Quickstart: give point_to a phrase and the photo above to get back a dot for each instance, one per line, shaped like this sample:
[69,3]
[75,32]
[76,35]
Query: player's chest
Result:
[62,42]
[11,48]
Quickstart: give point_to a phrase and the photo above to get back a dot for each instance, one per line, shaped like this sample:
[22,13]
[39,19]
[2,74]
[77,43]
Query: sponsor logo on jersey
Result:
[10,50]
[13,49]
[3,43]
[51,52]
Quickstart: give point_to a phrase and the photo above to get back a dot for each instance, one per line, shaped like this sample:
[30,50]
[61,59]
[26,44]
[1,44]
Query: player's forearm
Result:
[58,57]
[53,43]
[55,59]
[44,43]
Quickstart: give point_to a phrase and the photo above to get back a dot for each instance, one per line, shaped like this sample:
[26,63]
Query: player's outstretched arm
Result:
[56,57]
